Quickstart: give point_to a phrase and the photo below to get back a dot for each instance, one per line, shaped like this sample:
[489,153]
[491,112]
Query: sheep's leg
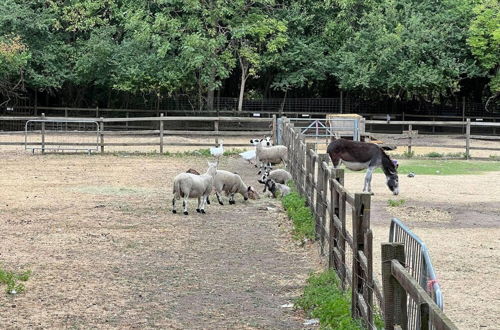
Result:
[208,199]
[202,205]
[199,203]
[185,205]
[173,205]
[219,198]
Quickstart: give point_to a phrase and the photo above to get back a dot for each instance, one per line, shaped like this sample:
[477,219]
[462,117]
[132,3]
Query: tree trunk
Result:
[244,70]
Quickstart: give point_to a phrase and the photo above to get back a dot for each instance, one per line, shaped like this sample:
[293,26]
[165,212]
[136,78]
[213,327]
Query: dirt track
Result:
[106,251]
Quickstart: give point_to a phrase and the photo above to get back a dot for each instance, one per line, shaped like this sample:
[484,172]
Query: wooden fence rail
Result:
[350,251]
[322,186]
[104,130]
[398,284]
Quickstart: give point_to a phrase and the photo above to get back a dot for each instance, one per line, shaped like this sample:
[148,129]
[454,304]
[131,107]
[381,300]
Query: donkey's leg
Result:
[368,180]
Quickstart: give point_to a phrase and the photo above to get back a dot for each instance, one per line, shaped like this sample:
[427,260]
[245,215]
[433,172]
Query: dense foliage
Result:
[402,49]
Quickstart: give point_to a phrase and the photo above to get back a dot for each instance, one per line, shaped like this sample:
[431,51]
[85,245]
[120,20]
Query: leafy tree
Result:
[484,40]
[407,49]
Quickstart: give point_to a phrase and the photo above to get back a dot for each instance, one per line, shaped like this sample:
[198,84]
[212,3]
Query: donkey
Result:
[358,156]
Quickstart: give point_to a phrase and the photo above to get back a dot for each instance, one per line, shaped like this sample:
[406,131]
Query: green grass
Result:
[12,280]
[301,215]
[410,155]
[444,166]
[324,299]
[447,167]
[396,202]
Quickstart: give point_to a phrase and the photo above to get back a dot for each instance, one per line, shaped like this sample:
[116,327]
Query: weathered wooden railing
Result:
[323,188]
[350,252]
[398,283]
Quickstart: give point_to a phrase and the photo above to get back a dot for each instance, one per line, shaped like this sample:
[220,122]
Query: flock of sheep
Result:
[192,184]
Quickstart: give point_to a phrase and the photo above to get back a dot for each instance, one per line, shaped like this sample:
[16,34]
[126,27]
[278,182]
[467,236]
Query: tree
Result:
[407,49]
[484,40]
[253,34]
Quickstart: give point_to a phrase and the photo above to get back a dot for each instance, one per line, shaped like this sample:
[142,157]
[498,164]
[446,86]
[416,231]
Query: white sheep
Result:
[279,176]
[274,188]
[270,155]
[187,185]
[231,183]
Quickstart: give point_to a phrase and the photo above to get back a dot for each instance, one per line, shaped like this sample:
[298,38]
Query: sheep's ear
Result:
[249,188]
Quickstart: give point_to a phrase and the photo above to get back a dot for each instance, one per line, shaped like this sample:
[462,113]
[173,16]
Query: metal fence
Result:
[418,264]
[61,135]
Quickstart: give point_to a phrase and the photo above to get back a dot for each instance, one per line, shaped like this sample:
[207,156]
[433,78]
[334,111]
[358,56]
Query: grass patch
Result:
[13,280]
[444,167]
[395,202]
[323,299]
[301,215]
[180,154]
[447,167]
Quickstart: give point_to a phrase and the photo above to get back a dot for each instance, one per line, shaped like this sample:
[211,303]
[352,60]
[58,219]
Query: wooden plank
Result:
[363,262]
[363,308]
[413,288]
[394,299]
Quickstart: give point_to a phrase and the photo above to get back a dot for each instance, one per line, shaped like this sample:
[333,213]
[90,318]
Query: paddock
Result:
[106,251]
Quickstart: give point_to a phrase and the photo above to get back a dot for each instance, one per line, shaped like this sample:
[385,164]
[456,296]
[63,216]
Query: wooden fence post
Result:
[409,139]
[395,312]
[43,133]
[274,130]
[216,129]
[360,285]
[101,134]
[321,194]
[467,139]
[161,134]
[337,230]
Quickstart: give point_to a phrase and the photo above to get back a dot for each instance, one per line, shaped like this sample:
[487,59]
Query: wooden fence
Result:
[350,252]
[263,126]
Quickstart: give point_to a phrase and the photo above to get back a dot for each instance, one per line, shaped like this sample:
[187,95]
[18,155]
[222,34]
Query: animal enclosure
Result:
[323,187]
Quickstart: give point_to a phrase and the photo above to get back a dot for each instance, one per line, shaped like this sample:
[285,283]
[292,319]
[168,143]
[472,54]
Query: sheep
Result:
[274,188]
[270,155]
[279,176]
[231,183]
[187,185]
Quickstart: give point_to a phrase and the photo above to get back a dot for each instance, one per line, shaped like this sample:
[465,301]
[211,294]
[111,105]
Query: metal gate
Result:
[419,265]
[61,135]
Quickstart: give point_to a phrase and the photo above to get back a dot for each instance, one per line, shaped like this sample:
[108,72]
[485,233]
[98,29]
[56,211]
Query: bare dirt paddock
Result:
[458,218]
[106,251]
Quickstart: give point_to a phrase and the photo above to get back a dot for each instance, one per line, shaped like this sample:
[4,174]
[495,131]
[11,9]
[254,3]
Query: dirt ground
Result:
[458,218]
[106,251]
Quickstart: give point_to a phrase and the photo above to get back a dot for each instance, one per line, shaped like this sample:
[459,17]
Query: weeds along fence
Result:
[60,133]
[350,251]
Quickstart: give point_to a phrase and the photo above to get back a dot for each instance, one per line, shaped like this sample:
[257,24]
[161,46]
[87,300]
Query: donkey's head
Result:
[390,168]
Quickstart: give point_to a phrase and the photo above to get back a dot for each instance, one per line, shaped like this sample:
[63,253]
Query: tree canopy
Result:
[400,49]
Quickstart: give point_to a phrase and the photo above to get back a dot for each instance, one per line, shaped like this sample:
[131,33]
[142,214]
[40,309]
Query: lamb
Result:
[187,185]
[270,155]
[231,183]
[279,176]
[274,188]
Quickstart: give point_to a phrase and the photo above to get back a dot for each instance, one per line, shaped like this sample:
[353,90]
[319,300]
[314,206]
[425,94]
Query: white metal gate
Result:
[61,135]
